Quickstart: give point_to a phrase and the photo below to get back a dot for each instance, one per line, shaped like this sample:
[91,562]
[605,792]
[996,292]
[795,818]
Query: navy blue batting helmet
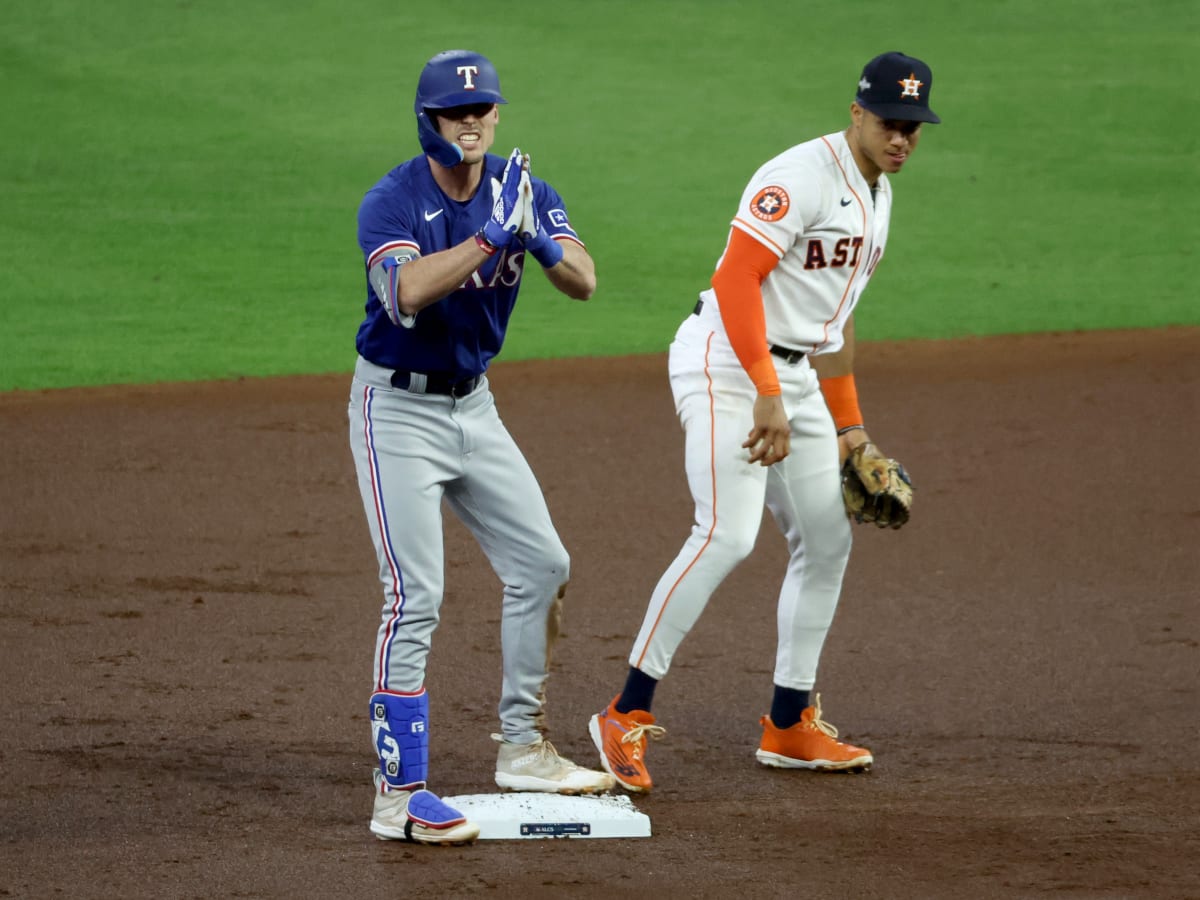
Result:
[457,78]
[452,78]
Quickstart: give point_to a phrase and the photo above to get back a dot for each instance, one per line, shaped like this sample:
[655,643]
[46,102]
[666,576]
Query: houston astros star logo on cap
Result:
[877,88]
[910,85]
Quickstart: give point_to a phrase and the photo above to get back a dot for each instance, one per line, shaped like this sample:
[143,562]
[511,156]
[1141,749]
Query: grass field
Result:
[180,181]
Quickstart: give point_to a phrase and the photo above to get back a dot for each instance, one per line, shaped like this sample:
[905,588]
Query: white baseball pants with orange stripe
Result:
[714,398]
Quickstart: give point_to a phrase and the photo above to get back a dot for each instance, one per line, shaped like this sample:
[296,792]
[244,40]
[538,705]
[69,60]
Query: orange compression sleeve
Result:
[841,396]
[738,284]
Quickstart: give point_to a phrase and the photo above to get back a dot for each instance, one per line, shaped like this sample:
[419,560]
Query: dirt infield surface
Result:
[188,604]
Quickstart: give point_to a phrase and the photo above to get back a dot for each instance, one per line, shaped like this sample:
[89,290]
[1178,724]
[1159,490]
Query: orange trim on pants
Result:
[712,466]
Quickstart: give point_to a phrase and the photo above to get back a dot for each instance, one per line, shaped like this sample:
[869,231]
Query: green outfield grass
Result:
[180,180]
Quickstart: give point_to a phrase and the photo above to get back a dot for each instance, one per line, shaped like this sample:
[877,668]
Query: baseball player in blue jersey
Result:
[446,237]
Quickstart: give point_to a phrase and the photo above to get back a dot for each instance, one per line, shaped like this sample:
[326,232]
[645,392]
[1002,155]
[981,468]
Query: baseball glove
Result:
[876,488]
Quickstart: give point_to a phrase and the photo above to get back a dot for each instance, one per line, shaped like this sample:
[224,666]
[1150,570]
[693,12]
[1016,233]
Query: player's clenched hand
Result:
[501,227]
[770,440]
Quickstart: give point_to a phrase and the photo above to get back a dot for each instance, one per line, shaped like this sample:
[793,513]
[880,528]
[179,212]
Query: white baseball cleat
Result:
[538,767]
[419,817]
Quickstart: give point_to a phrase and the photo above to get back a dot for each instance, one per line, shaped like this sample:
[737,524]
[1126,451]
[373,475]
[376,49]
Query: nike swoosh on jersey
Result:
[844,203]
[430,216]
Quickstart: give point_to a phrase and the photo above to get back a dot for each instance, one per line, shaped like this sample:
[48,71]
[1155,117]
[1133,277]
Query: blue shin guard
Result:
[400,728]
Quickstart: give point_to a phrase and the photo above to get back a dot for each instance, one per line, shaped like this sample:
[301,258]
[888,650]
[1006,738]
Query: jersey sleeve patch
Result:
[770,204]
[559,226]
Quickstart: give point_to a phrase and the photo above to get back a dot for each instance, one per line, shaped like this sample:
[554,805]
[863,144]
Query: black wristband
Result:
[842,431]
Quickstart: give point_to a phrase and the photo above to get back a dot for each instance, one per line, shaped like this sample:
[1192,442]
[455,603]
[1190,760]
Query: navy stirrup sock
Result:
[787,705]
[638,692]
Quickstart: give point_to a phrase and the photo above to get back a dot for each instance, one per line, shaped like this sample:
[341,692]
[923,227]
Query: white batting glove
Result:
[528,227]
[501,227]
[537,241]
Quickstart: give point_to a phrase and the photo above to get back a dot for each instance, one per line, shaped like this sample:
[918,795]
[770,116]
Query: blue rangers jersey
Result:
[406,213]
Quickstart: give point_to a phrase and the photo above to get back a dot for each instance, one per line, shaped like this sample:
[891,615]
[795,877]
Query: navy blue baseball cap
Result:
[895,86]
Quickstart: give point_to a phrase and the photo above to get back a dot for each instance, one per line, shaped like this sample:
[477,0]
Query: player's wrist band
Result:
[545,249]
[484,244]
[849,428]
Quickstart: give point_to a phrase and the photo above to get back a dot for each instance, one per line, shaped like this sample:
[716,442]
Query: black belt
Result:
[787,354]
[434,384]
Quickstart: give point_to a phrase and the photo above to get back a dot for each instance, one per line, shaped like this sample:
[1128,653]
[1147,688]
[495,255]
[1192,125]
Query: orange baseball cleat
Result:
[621,739]
[810,744]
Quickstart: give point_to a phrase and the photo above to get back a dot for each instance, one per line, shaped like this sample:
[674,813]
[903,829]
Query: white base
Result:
[528,814]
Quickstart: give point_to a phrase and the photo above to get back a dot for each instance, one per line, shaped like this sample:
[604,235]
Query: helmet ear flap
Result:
[441,151]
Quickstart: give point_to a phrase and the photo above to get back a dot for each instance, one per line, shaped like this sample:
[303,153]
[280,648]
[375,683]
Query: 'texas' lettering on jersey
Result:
[507,272]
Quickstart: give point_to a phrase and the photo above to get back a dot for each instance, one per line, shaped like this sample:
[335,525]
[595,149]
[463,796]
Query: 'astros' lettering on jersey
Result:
[406,215]
[813,209]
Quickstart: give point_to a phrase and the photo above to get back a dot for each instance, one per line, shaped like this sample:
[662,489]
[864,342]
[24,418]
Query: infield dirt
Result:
[189,604]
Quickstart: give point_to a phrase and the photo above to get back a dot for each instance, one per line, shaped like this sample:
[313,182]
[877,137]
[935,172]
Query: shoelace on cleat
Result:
[544,751]
[639,732]
[819,723]
[547,752]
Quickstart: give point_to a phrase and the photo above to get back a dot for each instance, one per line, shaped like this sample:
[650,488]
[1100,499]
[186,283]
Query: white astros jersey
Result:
[812,208]
[761,422]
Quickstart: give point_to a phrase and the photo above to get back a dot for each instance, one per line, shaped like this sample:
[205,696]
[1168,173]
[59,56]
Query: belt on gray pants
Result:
[787,354]
[417,383]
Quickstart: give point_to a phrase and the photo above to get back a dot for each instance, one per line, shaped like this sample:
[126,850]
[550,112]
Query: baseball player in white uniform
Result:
[762,375]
